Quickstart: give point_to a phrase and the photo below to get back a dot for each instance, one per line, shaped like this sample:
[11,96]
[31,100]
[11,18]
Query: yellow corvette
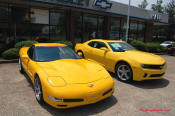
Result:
[61,78]
[123,59]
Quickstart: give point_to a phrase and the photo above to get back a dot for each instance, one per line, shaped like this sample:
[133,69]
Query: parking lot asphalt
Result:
[17,97]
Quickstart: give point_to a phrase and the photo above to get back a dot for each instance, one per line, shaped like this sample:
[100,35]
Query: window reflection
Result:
[57,25]
[115,29]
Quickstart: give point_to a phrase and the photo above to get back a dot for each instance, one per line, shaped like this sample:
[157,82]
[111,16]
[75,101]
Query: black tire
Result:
[38,90]
[124,72]
[21,69]
[81,53]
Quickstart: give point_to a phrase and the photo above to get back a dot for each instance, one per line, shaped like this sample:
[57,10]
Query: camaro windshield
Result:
[52,53]
[120,46]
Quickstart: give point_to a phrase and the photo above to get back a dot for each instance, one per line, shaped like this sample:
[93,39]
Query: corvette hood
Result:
[144,57]
[74,71]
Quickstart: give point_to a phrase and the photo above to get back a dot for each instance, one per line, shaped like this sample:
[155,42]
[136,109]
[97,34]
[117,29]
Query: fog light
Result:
[56,99]
[145,75]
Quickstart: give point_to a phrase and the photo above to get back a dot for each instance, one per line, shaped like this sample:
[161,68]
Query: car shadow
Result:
[147,84]
[86,110]
[28,80]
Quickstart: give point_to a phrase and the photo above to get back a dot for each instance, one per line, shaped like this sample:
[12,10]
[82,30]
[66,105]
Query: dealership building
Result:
[74,20]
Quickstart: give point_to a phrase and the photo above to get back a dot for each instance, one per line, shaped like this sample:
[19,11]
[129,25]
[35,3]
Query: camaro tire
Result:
[21,69]
[124,72]
[38,90]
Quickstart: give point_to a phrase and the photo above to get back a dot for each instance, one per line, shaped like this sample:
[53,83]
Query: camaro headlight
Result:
[56,99]
[145,66]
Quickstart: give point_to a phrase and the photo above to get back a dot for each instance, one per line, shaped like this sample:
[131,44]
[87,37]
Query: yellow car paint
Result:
[108,58]
[68,79]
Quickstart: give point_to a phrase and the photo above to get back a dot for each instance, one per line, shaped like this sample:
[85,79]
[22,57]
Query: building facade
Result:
[74,20]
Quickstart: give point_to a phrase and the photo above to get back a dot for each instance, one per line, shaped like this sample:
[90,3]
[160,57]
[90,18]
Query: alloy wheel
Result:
[124,72]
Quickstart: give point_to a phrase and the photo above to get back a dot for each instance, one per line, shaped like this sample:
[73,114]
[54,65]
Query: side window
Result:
[31,52]
[100,45]
[91,44]
[96,44]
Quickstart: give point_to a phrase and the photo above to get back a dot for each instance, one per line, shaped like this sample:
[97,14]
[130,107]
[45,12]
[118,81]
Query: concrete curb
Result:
[2,61]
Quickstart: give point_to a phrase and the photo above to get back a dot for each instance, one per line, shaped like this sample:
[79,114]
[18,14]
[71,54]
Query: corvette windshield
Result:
[120,46]
[52,53]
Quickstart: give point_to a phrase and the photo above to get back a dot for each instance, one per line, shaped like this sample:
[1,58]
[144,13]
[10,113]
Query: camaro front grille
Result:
[158,67]
[107,92]
[157,75]
[73,100]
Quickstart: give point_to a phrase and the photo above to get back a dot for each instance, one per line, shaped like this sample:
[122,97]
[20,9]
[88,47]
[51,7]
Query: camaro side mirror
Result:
[80,54]
[103,48]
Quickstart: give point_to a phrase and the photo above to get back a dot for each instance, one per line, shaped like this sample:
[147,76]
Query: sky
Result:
[136,2]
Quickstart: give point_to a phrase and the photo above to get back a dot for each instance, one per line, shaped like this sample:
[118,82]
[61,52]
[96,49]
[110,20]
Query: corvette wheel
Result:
[38,90]
[80,53]
[20,66]
[124,72]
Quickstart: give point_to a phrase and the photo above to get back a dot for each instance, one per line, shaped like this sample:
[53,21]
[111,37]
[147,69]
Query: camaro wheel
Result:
[80,53]
[20,66]
[124,72]
[38,90]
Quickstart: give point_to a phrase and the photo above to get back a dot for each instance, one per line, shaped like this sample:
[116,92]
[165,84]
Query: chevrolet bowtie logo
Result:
[104,4]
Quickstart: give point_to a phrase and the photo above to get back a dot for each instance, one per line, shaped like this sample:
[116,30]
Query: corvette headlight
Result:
[56,81]
[103,73]
[56,99]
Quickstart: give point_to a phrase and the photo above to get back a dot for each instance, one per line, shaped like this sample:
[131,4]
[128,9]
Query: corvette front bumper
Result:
[80,94]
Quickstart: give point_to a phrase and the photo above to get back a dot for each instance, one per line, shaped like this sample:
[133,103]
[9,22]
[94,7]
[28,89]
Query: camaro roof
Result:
[50,44]
[106,40]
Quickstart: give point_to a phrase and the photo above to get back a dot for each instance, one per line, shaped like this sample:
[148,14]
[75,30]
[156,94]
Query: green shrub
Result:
[68,43]
[3,47]
[139,45]
[24,44]
[148,47]
[11,53]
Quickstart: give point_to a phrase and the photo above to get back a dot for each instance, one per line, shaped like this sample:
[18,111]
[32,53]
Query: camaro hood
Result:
[144,57]
[74,71]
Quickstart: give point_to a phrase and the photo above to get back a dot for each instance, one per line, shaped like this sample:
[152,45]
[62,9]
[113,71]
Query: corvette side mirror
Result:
[24,56]
[105,49]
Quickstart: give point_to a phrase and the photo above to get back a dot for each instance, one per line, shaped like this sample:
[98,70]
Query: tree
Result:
[158,6]
[144,4]
[170,9]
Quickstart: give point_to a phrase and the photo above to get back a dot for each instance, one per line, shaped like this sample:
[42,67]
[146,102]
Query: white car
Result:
[167,43]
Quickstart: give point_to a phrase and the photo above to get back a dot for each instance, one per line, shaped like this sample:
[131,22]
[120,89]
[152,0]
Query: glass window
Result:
[141,31]
[133,30]
[89,27]
[100,33]
[4,32]
[31,52]
[78,27]
[123,28]
[57,25]
[115,29]
[98,45]
[120,46]
[52,53]
[40,32]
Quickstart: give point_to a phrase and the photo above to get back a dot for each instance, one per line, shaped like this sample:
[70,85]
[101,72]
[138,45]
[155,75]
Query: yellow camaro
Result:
[123,59]
[61,78]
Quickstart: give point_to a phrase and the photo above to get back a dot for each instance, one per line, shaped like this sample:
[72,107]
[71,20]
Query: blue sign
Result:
[104,4]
